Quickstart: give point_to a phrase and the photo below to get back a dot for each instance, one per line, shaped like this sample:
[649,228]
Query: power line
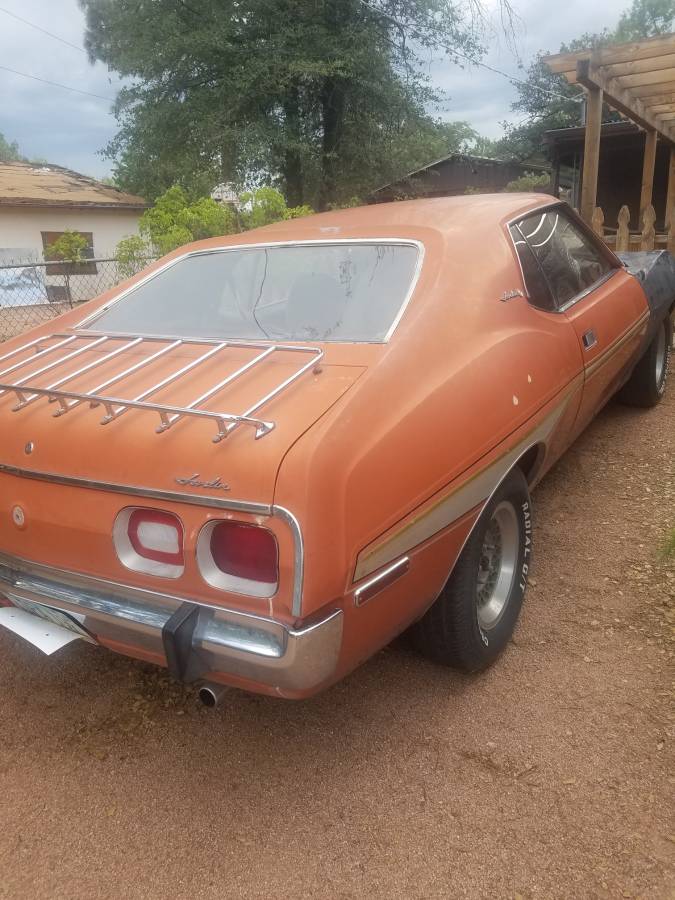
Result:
[57,84]
[439,45]
[43,30]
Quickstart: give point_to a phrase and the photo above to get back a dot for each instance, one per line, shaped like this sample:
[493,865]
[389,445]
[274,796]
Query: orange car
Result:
[267,455]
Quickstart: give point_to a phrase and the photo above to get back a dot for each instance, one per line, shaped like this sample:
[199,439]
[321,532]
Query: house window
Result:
[89,268]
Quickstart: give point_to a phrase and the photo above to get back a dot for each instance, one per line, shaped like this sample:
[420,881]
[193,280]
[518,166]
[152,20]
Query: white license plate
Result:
[69,621]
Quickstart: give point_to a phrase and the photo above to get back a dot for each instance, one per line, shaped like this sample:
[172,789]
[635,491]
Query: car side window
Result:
[538,291]
[567,257]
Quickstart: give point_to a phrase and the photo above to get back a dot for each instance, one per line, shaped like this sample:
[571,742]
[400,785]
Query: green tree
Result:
[547,101]
[266,205]
[646,18]
[69,248]
[530,181]
[9,150]
[174,221]
[324,99]
[131,255]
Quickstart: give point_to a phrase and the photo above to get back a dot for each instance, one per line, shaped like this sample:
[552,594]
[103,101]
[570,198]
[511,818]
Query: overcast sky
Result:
[70,129]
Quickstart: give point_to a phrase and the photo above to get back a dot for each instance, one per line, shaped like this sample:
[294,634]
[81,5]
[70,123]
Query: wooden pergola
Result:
[638,80]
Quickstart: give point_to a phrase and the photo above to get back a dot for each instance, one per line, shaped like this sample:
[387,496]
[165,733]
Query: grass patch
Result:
[668,545]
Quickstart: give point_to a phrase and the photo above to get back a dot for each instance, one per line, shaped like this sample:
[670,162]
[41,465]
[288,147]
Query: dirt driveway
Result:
[549,776]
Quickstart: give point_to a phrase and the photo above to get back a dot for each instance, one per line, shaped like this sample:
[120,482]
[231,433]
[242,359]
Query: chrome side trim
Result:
[259,246]
[151,493]
[367,591]
[245,506]
[225,641]
[473,494]
[299,555]
[604,357]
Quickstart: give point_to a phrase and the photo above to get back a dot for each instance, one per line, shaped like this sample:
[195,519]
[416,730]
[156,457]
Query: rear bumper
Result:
[195,640]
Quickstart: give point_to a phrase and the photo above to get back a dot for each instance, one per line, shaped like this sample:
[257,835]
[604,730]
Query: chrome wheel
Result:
[661,355]
[497,566]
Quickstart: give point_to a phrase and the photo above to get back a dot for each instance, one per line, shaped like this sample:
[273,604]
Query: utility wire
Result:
[439,45]
[43,30]
[56,84]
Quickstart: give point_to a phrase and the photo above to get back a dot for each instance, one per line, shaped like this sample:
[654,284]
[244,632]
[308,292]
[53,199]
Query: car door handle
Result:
[589,339]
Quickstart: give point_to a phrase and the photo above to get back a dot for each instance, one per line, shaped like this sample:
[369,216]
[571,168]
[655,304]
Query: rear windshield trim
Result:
[410,242]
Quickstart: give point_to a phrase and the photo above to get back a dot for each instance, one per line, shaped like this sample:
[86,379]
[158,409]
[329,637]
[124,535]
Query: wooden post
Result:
[648,232]
[670,198]
[623,233]
[648,172]
[598,222]
[589,184]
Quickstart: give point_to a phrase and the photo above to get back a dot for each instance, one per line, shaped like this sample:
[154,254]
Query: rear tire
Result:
[473,619]
[647,384]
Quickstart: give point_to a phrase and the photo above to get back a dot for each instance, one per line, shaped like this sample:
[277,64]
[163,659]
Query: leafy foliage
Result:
[668,545]
[68,247]
[646,18]
[9,150]
[131,255]
[530,181]
[174,221]
[266,205]
[547,100]
[322,99]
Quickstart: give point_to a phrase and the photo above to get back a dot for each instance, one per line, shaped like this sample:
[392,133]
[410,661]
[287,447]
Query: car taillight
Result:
[234,556]
[150,541]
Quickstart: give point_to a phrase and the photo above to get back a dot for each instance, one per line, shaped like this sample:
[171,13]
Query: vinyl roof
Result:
[33,184]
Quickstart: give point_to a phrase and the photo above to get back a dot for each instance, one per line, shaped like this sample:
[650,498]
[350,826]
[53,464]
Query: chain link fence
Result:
[33,292]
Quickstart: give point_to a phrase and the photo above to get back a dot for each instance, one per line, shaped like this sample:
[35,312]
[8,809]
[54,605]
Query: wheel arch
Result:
[530,464]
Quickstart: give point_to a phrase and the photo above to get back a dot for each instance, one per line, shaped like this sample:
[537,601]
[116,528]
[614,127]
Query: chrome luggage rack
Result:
[75,343]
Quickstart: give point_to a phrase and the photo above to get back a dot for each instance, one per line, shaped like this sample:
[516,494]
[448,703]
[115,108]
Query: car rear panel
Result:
[70,476]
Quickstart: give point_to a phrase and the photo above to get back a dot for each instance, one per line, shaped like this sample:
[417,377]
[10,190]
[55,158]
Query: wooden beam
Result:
[660,108]
[589,185]
[636,66]
[662,76]
[668,99]
[648,162]
[667,117]
[621,53]
[622,100]
[670,198]
[652,90]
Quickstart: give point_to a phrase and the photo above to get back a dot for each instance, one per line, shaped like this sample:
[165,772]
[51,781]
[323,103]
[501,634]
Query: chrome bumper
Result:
[196,640]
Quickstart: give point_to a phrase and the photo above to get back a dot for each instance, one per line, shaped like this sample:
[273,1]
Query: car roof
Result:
[405,218]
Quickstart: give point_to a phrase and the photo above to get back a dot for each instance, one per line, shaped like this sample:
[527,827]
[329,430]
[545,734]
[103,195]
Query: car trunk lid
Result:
[161,413]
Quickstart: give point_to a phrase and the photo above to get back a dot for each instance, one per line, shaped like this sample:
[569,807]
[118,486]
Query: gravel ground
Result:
[549,776]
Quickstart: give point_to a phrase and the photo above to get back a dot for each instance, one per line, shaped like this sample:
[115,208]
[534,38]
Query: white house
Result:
[39,202]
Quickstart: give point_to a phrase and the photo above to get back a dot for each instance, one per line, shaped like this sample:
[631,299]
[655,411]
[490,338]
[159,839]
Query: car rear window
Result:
[343,291]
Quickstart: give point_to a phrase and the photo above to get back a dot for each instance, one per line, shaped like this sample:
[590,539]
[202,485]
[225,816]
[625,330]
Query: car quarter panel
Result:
[466,379]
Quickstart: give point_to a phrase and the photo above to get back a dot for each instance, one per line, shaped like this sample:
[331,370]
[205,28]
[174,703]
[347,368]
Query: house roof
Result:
[468,157]
[33,184]
[575,133]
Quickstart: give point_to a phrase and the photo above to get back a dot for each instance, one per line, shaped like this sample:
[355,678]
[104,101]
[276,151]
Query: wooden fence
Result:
[622,238]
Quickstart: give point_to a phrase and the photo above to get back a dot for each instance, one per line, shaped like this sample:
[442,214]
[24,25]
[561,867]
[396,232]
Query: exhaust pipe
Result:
[211,694]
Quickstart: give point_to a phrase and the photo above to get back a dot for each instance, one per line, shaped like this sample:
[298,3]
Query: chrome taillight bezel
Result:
[217,578]
[136,562]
